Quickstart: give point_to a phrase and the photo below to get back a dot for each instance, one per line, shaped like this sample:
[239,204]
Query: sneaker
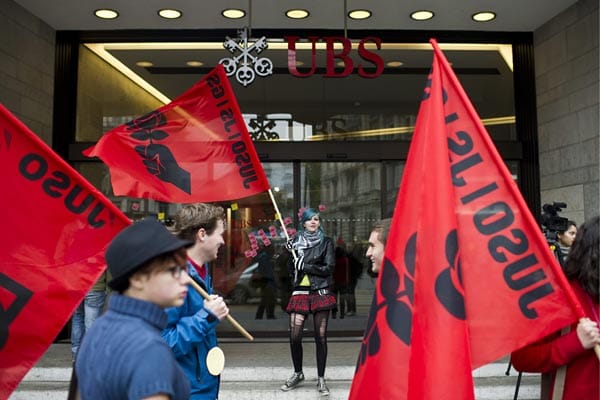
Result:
[322,387]
[293,381]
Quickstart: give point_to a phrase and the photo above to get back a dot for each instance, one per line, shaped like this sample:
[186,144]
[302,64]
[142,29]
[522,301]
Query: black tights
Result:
[320,319]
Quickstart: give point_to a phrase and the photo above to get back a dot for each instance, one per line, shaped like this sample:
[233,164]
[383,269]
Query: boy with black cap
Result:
[123,355]
[191,328]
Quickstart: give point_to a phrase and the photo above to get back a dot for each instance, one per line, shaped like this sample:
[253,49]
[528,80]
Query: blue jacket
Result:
[190,333]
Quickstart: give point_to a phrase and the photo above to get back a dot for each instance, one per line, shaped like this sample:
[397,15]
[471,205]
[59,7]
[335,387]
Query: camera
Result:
[552,223]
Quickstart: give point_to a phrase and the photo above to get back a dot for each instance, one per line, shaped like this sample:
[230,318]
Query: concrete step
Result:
[263,383]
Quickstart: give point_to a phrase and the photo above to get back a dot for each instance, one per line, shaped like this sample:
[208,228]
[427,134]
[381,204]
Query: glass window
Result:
[114,87]
[352,194]
[106,98]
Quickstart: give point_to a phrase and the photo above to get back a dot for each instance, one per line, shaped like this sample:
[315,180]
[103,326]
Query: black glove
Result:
[289,245]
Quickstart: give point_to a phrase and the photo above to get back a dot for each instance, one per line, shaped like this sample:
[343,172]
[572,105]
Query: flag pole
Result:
[287,237]
[235,324]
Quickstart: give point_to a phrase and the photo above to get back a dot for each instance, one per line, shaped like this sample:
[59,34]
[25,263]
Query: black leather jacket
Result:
[319,262]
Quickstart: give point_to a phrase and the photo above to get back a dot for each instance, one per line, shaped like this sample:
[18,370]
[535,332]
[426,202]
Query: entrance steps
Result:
[255,371]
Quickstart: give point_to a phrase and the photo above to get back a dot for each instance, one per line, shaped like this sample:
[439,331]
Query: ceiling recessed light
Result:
[169,13]
[144,64]
[359,14]
[296,14]
[233,13]
[484,16]
[394,63]
[106,13]
[194,63]
[422,15]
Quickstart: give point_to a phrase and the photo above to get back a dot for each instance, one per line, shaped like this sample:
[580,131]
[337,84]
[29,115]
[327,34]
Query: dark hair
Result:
[153,265]
[569,224]
[582,263]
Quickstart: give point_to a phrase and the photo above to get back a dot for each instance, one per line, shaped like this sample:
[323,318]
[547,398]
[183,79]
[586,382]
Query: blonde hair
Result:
[382,228]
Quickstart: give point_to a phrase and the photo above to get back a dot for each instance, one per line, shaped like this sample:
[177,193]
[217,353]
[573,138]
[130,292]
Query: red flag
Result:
[468,276]
[55,227]
[196,148]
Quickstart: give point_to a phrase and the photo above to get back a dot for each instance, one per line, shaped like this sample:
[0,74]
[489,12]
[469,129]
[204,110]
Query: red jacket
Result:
[552,352]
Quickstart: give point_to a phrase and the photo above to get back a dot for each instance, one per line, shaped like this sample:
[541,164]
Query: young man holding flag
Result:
[190,330]
[173,154]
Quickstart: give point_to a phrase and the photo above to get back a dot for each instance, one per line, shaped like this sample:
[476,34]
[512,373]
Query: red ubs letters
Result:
[343,55]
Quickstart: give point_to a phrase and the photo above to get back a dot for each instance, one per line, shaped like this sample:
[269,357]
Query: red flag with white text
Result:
[55,228]
[194,149]
[467,276]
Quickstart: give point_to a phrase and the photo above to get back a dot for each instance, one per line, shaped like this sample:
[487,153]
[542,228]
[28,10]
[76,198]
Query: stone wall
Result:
[27,68]
[566,64]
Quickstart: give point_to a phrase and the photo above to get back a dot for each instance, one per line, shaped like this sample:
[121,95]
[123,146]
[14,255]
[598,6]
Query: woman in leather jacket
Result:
[313,260]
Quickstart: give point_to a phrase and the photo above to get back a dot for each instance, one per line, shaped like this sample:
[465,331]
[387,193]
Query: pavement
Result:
[256,369]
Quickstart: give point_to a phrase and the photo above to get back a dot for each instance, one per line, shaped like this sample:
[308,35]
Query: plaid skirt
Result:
[310,303]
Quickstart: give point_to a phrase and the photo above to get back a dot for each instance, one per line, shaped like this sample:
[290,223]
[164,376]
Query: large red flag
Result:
[55,227]
[468,276]
[196,148]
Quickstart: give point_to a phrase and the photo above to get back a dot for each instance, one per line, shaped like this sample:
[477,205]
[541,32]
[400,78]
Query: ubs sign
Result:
[245,66]
[367,57]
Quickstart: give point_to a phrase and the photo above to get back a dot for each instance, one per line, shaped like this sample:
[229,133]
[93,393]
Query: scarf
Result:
[306,240]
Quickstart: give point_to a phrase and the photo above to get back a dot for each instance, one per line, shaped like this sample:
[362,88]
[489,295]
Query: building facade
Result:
[347,159]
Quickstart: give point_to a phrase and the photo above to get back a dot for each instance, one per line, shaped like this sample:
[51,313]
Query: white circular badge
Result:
[215,361]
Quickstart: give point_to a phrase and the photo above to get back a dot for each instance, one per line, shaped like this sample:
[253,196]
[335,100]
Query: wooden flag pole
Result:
[287,237]
[235,324]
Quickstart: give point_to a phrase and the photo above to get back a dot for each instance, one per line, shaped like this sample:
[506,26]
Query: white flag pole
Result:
[287,237]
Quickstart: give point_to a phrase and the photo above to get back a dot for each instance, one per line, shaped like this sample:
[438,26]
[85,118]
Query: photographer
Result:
[565,239]
[556,228]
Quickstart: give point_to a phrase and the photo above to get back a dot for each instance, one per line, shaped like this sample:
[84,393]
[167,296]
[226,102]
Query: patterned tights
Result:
[320,319]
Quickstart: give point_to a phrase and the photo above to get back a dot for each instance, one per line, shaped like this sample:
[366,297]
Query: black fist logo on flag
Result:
[158,158]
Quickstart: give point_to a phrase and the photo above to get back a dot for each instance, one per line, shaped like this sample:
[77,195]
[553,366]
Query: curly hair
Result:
[582,262]
[193,217]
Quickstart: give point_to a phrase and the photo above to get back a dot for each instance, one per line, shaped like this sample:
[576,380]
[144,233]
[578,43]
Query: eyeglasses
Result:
[177,270]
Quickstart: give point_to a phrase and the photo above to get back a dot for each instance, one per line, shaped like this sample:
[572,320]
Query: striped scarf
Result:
[306,240]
